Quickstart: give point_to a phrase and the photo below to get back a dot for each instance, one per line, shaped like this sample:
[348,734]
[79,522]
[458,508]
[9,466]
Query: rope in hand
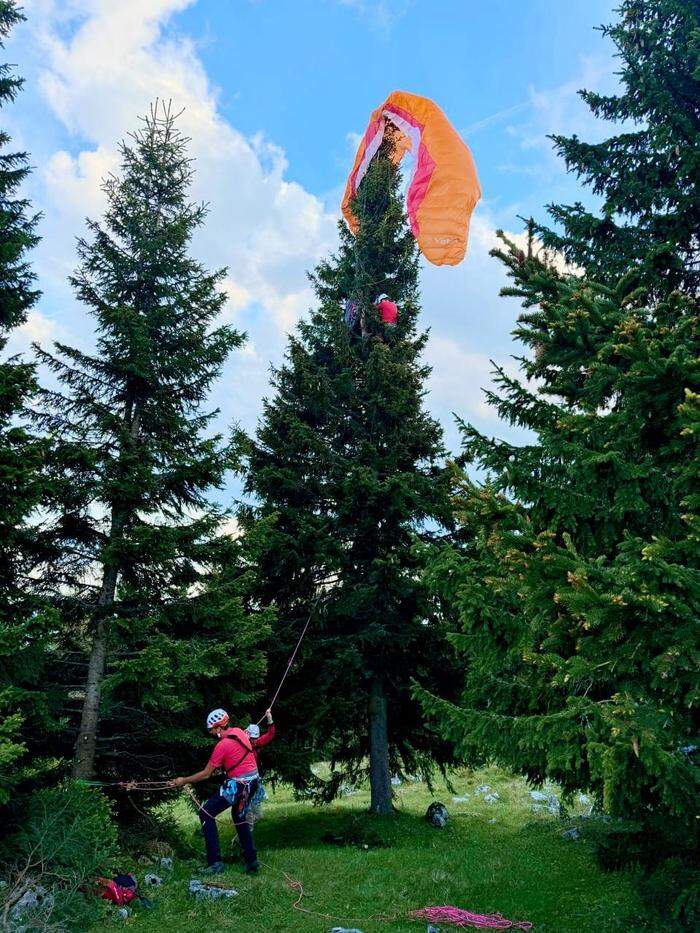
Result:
[129,785]
[155,786]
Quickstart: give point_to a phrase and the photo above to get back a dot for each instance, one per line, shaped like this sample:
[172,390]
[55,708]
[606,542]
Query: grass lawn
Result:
[491,857]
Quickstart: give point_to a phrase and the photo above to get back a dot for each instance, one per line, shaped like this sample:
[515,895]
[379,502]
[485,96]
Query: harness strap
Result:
[246,751]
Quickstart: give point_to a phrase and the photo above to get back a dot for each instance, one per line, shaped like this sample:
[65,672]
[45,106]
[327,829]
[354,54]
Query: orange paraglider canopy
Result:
[444,188]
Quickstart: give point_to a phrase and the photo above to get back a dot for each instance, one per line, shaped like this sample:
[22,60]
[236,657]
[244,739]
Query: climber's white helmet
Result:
[217,717]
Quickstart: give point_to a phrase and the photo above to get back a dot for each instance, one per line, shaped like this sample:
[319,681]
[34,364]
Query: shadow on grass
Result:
[357,829]
[334,829]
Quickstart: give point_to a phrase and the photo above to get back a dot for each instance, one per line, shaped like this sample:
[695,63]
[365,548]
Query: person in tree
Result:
[347,472]
[234,754]
[356,322]
[388,312]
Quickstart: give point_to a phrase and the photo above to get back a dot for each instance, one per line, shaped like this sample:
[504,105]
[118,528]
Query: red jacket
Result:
[388,311]
[264,738]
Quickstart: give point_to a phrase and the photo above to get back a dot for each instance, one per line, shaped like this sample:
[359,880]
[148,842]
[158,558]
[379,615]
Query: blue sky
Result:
[275,93]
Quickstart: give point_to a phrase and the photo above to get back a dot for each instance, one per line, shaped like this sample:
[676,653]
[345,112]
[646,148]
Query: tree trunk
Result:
[379,779]
[86,744]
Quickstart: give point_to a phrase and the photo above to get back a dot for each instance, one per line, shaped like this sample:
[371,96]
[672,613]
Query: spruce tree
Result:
[575,582]
[24,620]
[646,174]
[163,634]
[345,470]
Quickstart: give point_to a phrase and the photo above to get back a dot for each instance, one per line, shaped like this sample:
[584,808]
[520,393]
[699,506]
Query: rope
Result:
[455,916]
[193,797]
[465,918]
[298,888]
[452,915]
[128,785]
[195,800]
[289,663]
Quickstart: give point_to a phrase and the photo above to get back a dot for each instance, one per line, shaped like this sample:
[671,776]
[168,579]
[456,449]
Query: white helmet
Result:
[253,731]
[217,717]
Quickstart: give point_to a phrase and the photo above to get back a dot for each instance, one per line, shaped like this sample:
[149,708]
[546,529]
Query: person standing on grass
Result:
[235,756]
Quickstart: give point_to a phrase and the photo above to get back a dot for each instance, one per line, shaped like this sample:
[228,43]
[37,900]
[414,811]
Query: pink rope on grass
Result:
[465,918]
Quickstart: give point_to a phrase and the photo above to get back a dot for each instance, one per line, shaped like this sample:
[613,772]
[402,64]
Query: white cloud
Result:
[36,329]
[74,183]
[100,64]
[381,13]
[557,110]
[561,110]
[230,527]
[103,62]
[116,59]
[459,377]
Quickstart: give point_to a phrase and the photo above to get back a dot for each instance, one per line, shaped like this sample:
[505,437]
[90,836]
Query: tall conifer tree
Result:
[140,537]
[345,470]
[23,616]
[577,581]
[647,173]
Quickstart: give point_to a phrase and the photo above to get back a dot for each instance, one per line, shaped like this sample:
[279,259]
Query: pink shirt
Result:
[234,755]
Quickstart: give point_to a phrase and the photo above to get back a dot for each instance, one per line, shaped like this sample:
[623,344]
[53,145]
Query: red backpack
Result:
[120,890]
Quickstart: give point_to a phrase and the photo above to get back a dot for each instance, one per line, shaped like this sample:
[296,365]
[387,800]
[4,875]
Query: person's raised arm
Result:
[268,735]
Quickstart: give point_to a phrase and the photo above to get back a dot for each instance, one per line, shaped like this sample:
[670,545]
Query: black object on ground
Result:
[437,815]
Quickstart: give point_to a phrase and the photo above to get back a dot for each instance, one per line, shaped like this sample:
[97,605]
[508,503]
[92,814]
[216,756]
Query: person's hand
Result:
[268,716]
[178,782]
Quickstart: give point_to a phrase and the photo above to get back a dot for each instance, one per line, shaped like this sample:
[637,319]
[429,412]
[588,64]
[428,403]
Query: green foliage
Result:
[646,175]
[346,469]
[518,865]
[67,834]
[204,652]
[135,461]
[574,578]
[67,838]
[683,907]
[25,622]
[17,226]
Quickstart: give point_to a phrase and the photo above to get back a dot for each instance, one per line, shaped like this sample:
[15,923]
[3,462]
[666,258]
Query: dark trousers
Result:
[211,809]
